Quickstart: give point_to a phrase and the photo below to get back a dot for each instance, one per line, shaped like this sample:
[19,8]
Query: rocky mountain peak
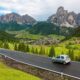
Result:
[65,18]
[28,19]
[78,19]
[60,10]
[14,17]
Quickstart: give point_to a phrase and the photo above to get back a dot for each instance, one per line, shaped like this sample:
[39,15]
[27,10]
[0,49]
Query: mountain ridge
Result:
[64,18]
[14,17]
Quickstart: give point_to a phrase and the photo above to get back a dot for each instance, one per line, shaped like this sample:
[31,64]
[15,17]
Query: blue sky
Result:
[39,9]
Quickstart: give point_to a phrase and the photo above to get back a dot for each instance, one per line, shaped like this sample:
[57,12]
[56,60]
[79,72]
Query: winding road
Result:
[72,70]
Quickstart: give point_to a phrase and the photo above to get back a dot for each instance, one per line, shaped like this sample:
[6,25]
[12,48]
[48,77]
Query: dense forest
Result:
[46,28]
[13,26]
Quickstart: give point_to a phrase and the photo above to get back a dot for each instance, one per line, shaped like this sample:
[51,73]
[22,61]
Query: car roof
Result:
[64,55]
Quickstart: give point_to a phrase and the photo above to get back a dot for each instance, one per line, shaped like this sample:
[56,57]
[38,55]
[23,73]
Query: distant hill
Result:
[77,32]
[13,26]
[46,28]
[75,35]
[4,36]
[14,17]
[43,28]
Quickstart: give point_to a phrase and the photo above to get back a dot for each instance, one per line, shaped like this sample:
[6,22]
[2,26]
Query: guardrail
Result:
[61,73]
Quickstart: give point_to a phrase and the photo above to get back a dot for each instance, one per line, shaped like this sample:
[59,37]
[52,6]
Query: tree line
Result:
[26,48]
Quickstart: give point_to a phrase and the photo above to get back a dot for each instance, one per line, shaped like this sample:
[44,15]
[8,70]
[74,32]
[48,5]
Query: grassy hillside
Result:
[13,26]
[4,36]
[77,32]
[43,28]
[26,35]
[7,73]
[46,28]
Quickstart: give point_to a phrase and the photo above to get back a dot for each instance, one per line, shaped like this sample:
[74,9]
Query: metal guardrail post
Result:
[62,77]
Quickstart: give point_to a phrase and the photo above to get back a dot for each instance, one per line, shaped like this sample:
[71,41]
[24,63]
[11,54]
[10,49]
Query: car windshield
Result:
[62,57]
[58,57]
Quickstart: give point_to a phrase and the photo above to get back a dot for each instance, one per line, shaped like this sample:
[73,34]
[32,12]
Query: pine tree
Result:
[21,47]
[1,44]
[52,52]
[6,45]
[27,48]
[36,51]
[77,58]
[33,50]
[42,50]
[71,54]
[15,47]
[62,52]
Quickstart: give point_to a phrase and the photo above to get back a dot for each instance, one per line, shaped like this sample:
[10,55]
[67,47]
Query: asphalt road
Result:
[72,69]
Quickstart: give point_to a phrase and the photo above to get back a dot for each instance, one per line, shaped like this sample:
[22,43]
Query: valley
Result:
[59,34]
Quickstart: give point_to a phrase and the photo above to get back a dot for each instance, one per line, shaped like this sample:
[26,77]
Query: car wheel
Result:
[52,61]
[64,62]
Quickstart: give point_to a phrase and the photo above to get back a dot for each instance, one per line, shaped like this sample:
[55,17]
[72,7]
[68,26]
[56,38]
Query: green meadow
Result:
[7,73]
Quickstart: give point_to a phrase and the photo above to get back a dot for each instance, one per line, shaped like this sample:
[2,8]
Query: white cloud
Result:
[39,9]
[5,11]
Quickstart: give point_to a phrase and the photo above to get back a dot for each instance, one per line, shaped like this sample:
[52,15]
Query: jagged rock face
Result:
[10,17]
[25,19]
[71,19]
[65,18]
[28,19]
[61,15]
[78,19]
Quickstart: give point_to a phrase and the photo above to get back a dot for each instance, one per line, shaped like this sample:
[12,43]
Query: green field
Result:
[25,34]
[7,73]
